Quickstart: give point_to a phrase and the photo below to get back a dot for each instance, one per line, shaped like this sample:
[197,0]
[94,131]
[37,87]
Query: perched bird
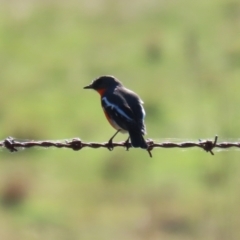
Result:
[123,109]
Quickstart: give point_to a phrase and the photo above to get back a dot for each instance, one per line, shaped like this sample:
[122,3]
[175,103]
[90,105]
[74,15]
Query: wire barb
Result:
[208,145]
[75,144]
[12,144]
[9,144]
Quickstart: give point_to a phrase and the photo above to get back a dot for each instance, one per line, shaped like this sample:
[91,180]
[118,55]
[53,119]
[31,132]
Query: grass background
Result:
[181,57]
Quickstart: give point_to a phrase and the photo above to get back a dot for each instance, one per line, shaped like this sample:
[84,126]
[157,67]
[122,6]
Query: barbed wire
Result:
[12,144]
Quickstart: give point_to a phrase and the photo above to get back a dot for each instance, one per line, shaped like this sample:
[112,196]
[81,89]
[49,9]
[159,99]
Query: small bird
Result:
[123,109]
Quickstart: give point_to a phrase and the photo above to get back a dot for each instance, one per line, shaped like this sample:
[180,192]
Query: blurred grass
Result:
[182,57]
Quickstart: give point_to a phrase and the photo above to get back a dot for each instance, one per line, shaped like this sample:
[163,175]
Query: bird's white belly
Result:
[115,125]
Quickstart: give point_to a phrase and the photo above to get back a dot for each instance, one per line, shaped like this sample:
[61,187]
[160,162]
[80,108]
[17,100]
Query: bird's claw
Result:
[110,145]
[127,144]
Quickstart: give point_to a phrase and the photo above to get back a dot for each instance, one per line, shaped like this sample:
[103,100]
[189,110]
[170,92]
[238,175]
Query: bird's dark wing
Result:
[118,111]
[122,116]
[133,101]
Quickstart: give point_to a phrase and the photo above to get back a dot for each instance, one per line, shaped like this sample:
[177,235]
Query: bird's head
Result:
[103,83]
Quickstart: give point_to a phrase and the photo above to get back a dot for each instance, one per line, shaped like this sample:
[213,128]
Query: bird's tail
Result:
[137,139]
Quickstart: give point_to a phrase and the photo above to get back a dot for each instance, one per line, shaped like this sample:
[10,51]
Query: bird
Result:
[123,109]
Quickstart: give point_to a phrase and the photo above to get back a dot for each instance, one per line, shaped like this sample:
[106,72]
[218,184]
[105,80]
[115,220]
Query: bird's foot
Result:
[110,145]
[127,144]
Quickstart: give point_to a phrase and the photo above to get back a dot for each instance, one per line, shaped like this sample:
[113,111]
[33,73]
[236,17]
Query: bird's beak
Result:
[89,86]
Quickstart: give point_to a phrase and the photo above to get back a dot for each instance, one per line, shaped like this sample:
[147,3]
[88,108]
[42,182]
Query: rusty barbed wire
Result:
[12,144]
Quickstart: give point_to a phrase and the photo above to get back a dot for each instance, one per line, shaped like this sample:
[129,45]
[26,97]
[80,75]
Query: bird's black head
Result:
[103,83]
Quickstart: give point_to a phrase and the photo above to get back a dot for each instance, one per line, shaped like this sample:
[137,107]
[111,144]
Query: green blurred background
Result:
[181,57]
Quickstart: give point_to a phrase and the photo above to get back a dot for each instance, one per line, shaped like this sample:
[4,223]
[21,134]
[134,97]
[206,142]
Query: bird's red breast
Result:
[101,91]
[112,123]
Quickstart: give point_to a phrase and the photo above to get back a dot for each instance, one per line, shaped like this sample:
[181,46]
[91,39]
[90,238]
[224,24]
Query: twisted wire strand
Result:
[12,144]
